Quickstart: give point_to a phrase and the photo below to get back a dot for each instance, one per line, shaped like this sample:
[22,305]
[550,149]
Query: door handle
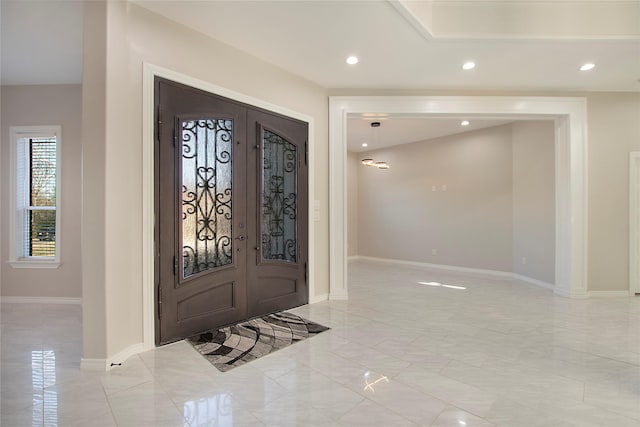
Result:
[240,238]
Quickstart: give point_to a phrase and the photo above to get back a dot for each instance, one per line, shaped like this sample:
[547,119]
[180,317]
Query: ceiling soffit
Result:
[526,20]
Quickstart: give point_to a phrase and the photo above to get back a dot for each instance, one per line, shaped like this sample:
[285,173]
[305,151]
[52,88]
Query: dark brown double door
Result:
[231,211]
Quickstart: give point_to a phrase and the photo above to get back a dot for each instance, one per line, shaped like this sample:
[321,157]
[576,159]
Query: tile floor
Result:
[476,352]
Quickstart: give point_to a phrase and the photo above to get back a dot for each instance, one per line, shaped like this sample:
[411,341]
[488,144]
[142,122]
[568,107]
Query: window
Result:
[35,214]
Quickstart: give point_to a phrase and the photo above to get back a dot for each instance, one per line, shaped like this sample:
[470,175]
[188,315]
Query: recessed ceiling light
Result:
[465,123]
[468,65]
[588,66]
[352,60]
[364,144]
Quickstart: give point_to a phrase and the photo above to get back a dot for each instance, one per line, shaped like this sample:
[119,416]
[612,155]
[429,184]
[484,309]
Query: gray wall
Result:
[498,205]
[534,200]
[467,220]
[41,106]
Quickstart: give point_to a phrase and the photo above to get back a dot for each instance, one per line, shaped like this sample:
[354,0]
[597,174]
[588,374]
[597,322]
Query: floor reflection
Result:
[369,383]
[43,375]
[215,410]
[436,284]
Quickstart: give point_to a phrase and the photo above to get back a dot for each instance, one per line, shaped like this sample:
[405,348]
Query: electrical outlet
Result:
[434,252]
[444,187]
[524,260]
[433,188]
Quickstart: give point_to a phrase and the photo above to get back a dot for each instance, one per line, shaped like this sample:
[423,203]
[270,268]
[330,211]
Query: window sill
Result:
[32,263]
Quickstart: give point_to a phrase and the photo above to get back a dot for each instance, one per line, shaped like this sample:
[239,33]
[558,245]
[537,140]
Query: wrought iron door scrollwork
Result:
[206,194]
[279,198]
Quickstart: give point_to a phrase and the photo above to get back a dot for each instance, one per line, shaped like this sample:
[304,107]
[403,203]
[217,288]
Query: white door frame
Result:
[570,115]
[150,71]
[634,222]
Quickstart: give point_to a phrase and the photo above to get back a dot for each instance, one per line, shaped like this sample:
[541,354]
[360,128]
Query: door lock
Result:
[240,238]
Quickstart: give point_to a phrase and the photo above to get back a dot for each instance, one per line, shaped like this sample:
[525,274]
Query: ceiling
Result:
[398,48]
[41,42]
[403,129]
[516,44]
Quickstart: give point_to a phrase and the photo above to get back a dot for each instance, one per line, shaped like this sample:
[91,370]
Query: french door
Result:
[231,211]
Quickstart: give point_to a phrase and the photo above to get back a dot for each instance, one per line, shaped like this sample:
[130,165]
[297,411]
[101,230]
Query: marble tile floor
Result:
[412,347]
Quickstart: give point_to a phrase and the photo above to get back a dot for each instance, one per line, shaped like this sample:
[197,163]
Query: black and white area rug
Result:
[235,345]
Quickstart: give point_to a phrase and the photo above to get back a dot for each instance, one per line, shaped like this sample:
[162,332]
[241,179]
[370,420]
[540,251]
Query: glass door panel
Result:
[279,198]
[207,187]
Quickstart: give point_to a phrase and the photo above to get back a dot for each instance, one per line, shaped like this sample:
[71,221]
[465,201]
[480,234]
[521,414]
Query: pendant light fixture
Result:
[374,138]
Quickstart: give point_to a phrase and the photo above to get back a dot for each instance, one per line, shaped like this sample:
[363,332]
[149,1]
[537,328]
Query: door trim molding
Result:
[570,115]
[634,222]
[150,71]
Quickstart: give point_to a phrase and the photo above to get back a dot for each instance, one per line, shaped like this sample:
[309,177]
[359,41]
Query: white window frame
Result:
[16,259]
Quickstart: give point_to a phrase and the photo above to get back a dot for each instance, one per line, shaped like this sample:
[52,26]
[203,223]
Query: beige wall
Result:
[534,200]
[136,35]
[353,161]
[94,339]
[41,106]
[466,220]
[613,132]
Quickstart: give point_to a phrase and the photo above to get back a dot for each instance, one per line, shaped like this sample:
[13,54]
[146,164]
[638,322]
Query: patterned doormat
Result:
[235,345]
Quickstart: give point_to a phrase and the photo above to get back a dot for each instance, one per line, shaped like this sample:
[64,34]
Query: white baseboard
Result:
[318,298]
[608,294]
[40,300]
[353,258]
[532,281]
[479,271]
[338,296]
[107,364]
[123,355]
[563,291]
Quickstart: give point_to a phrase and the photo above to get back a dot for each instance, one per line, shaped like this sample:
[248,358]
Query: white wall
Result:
[37,106]
[135,35]
[466,220]
[534,200]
